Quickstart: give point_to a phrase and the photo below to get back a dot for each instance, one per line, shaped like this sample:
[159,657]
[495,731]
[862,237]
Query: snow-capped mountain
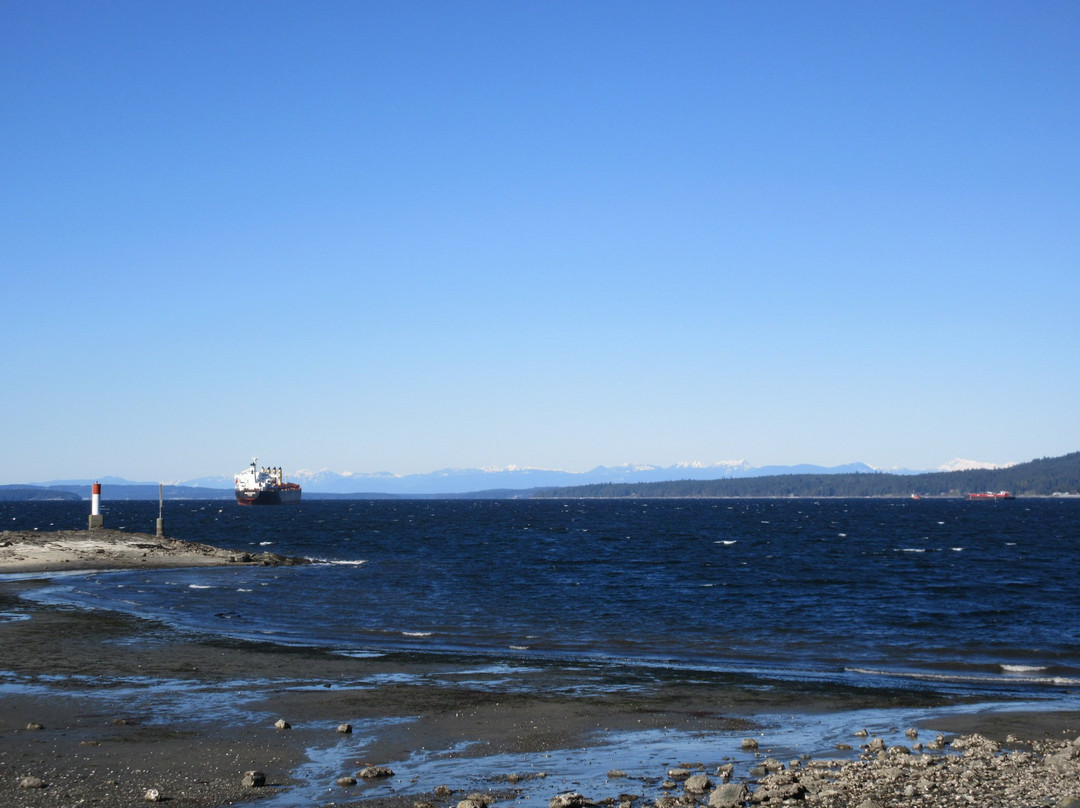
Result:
[959,464]
[514,478]
[463,481]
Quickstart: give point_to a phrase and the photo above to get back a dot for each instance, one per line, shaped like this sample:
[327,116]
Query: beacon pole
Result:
[96,519]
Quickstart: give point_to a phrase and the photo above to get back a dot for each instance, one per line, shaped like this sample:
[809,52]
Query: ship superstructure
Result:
[265,486]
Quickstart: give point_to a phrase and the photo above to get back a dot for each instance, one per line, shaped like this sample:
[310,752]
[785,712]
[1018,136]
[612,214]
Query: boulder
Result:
[31,782]
[373,772]
[729,795]
[697,784]
[253,779]
[569,799]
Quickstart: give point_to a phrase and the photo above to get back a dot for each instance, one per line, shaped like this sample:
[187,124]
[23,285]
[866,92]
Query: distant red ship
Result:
[991,495]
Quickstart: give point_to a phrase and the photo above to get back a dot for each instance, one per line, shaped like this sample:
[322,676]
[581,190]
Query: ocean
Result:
[976,602]
[968,596]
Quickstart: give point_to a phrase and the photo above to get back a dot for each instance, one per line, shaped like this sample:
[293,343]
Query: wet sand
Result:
[103,707]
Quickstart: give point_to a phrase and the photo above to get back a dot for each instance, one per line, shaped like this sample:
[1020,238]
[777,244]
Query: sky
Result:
[407,236]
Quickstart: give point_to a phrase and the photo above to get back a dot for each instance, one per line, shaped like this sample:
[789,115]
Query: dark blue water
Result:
[967,597]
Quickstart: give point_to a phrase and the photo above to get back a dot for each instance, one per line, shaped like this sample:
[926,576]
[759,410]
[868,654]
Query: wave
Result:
[974,678]
[1023,668]
[338,563]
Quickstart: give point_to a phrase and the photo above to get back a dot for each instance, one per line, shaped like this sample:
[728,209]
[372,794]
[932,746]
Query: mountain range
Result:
[513,478]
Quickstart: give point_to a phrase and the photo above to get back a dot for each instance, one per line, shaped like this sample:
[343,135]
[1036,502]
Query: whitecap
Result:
[199,586]
[956,549]
[339,563]
[725,542]
[1023,668]
[416,633]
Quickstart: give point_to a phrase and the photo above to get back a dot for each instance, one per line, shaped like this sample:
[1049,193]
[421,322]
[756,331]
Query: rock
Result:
[616,773]
[34,725]
[912,733]
[937,744]
[724,772]
[442,792]
[779,792]
[344,728]
[373,772]
[678,774]
[862,733]
[346,781]
[698,784]
[281,723]
[570,799]
[483,800]
[749,743]
[153,795]
[31,782]
[772,765]
[253,779]
[729,795]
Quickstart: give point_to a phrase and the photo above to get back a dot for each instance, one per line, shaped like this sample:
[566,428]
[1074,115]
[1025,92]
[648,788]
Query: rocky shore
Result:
[71,550]
[109,710]
[968,770]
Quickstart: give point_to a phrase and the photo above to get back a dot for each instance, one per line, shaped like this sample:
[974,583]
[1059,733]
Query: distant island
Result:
[1048,476]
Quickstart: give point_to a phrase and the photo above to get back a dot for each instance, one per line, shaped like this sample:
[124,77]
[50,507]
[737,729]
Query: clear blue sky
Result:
[404,236]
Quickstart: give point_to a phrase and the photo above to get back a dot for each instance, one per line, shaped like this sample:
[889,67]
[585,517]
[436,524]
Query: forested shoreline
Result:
[1044,477]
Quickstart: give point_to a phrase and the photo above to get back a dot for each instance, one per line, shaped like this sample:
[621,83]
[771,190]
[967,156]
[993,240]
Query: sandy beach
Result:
[109,710]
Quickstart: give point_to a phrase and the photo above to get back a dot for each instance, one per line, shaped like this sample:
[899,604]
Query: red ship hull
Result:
[286,494]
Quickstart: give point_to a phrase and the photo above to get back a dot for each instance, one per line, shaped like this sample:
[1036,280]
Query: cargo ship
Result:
[991,495]
[265,486]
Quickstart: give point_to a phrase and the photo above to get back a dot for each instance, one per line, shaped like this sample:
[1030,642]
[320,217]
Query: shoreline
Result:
[126,705]
[32,551]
